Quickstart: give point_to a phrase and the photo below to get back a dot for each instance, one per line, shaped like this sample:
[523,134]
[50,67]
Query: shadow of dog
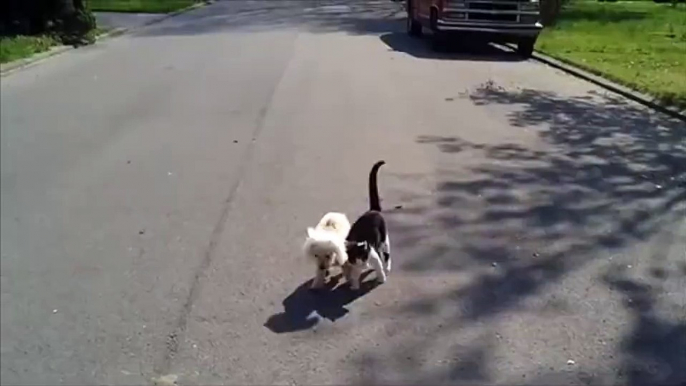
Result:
[304,307]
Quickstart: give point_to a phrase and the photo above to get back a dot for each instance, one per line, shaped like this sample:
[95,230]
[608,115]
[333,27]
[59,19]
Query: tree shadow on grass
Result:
[603,176]
[601,15]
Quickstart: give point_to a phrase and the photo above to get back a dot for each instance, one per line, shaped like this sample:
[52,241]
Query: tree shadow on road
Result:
[304,308]
[601,15]
[355,17]
[655,349]
[603,176]
[652,352]
[611,175]
[471,369]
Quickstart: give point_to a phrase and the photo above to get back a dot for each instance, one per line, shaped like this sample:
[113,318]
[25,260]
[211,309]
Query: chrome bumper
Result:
[514,18]
[531,30]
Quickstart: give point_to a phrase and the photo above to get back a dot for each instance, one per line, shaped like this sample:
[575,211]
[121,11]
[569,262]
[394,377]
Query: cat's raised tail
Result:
[374,203]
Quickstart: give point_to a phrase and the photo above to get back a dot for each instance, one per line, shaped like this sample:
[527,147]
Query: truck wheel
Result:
[438,41]
[414,28]
[525,47]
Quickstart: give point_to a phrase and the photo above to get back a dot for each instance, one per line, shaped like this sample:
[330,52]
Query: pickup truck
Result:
[501,21]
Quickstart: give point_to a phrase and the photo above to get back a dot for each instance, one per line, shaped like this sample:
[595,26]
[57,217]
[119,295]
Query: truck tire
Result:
[438,41]
[525,47]
[414,28]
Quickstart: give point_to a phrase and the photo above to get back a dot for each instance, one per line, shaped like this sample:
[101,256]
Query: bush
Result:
[68,20]
[76,27]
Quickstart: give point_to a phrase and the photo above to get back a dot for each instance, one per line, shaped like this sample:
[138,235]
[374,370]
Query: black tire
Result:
[438,41]
[525,47]
[414,28]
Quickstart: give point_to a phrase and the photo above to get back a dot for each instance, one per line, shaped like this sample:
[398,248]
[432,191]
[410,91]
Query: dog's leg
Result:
[376,263]
[319,278]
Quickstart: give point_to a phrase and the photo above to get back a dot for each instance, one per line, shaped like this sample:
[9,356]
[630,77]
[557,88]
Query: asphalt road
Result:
[156,188]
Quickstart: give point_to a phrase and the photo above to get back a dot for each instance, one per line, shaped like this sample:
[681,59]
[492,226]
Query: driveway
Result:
[156,188]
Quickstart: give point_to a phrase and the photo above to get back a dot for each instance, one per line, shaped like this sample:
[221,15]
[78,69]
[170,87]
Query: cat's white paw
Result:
[381,279]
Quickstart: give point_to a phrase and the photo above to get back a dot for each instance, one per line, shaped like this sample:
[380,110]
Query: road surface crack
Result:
[172,344]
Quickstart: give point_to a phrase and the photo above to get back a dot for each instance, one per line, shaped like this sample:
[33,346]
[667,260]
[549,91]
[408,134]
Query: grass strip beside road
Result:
[641,44]
[19,47]
[139,6]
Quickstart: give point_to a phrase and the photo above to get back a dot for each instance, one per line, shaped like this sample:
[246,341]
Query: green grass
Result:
[13,48]
[639,44]
[20,47]
[143,6]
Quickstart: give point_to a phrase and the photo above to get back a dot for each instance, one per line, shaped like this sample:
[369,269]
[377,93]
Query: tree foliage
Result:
[550,9]
[69,20]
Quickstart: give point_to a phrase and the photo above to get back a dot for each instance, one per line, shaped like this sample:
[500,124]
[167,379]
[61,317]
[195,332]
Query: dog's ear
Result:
[310,232]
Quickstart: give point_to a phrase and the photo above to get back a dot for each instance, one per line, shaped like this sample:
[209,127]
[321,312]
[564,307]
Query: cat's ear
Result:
[356,244]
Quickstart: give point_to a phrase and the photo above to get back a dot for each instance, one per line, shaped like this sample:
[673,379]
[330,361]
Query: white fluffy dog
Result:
[325,245]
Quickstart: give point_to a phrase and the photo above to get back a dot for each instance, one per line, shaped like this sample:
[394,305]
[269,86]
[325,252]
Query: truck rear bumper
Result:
[519,30]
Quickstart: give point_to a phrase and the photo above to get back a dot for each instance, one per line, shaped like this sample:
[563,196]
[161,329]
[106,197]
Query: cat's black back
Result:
[371,226]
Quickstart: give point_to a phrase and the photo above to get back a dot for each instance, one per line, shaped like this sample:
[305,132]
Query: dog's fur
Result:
[325,245]
[368,239]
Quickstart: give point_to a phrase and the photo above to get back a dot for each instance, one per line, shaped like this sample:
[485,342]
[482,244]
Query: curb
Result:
[111,33]
[610,85]
[168,15]
[19,64]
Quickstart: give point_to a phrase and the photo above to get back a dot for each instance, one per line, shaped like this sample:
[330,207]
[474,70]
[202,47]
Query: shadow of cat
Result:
[304,307]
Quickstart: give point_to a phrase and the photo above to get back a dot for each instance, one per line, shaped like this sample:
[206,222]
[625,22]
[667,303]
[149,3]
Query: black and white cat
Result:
[368,240]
